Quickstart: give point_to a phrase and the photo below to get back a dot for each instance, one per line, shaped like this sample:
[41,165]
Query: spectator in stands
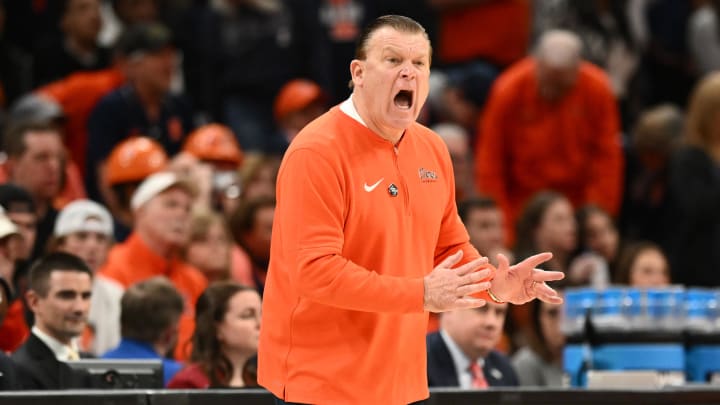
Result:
[251,226]
[209,246]
[598,247]
[20,208]
[59,296]
[35,163]
[298,102]
[484,222]
[150,312]
[129,163]
[540,363]
[225,338]
[84,228]
[462,353]
[457,141]
[161,206]
[77,48]
[554,105]
[547,224]
[643,265]
[654,139]
[36,109]
[215,146]
[144,105]
[258,176]
[691,230]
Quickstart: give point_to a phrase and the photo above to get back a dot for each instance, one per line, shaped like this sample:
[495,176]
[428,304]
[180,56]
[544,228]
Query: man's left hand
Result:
[523,282]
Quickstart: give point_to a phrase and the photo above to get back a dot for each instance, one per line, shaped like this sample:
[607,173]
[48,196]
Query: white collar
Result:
[460,360]
[61,351]
[348,107]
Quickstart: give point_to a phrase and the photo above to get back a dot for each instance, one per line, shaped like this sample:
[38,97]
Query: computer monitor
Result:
[122,373]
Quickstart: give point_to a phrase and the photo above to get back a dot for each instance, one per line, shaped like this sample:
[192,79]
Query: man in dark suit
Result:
[59,295]
[462,353]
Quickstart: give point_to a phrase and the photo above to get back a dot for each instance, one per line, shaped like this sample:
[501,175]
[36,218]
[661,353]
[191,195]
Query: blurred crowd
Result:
[141,140]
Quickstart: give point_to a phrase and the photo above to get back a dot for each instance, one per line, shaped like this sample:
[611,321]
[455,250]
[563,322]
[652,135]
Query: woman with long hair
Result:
[227,327]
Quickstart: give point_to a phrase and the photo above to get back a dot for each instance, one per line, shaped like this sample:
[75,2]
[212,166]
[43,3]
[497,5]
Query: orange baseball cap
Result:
[214,142]
[296,95]
[134,159]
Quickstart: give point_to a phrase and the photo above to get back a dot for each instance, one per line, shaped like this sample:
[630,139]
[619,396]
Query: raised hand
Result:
[448,288]
[523,282]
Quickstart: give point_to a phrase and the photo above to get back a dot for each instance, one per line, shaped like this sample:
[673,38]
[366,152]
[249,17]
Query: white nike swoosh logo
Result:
[371,188]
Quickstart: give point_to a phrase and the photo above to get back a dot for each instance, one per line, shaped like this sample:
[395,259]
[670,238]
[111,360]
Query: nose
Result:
[407,72]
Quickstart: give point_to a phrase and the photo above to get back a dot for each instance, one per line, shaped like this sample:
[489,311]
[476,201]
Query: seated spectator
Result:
[209,246]
[298,103]
[540,363]
[643,265]
[59,296]
[485,224]
[599,243]
[251,226]
[654,139]
[84,228]
[457,140]
[34,109]
[546,224]
[215,147]
[129,163]
[161,206]
[20,209]
[225,338]
[144,105]
[150,311]
[35,161]
[462,353]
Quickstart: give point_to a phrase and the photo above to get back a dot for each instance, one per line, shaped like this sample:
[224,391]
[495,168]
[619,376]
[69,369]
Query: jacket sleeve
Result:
[605,184]
[311,213]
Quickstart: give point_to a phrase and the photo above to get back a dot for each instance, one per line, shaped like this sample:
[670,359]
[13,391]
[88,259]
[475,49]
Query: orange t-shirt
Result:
[132,262]
[527,144]
[343,318]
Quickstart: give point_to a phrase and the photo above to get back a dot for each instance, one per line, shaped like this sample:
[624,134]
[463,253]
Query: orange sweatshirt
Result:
[132,262]
[572,146]
[343,319]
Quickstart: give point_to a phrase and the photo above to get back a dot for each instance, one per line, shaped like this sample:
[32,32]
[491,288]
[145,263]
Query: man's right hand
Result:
[448,288]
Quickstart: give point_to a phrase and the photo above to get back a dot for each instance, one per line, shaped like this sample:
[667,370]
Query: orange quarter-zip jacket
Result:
[359,222]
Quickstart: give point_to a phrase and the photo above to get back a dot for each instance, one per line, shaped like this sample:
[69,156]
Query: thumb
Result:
[503,266]
[452,259]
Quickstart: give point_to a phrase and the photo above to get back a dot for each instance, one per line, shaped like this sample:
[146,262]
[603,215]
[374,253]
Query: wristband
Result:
[494,298]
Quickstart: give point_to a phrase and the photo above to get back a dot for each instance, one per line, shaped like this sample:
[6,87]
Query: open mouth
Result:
[404,99]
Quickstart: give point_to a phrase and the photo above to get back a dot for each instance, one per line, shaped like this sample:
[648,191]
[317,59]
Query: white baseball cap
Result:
[156,184]
[83,216]
[7,227]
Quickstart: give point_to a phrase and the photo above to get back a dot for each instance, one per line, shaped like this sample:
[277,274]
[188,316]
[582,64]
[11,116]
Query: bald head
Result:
[558,60]
[559,48]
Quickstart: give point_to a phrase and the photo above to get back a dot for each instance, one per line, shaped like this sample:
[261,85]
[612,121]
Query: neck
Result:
[150,99]
[79,48]
[392,135]
[161,349]
[238,360]
[66,340]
